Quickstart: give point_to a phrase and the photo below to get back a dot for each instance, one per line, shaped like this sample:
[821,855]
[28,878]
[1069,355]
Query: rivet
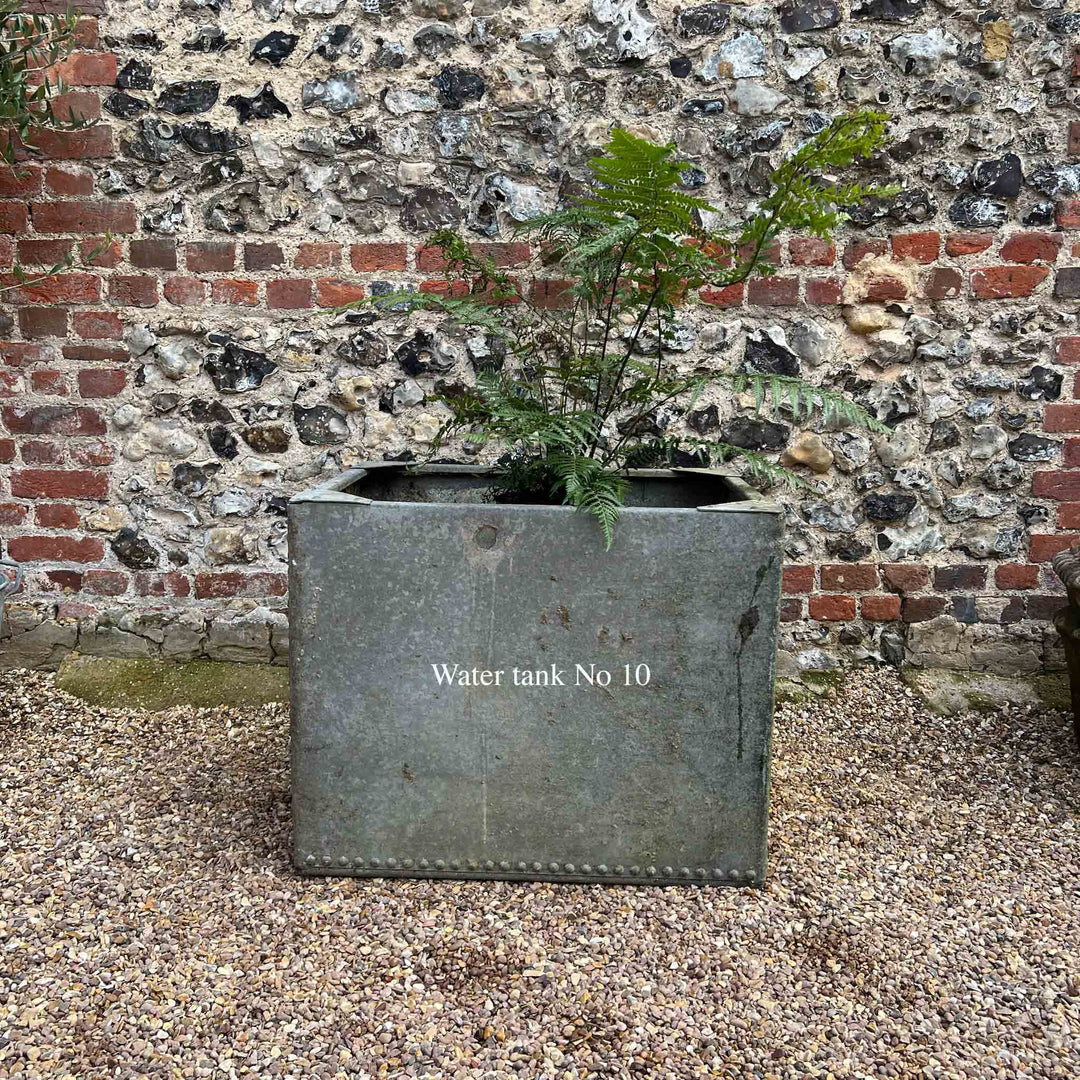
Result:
[684,870]
[522,867]
[392,863]
[423,864]
[407,863]
[717,872]
[669,871]
[751,875]
[440,864]
[326,860]
[569,867]
[620,870]
[553,867]
[635,871]
[504,865]
[473,864]
[734,875]
[538,866]
[651,871]
[700,871]
[489,865]
[310,860]
[455,864]
[343,861]
[602,868]
[376,863]
[586,868]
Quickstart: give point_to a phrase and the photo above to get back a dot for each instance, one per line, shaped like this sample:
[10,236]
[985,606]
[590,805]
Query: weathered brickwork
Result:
[261,162]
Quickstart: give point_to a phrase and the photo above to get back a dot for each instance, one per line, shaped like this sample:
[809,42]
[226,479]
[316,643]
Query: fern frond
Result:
[587,486]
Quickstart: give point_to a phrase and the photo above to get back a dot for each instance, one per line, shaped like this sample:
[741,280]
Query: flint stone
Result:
[401,101]
[125,106]
[973,505]
[886,508]
[428,208]
[767,353]
[922,54]
[204,138]
[184,98]
[236,369]
[233,502]
[803,61]
[520,201]
[133,550]
[320,425]
[1032,448]
[338,93]
[834,517]
[755,99]
[318,7]
[740,57]
[456,86]
[810,16]
[898,449]
[435,39]
[976,211]
[264,105]
[223,443]
[888,10]
[987,441]
[541,43]
[275,48]
[390,56]
[755,433]
[331,43]
[628,31]
[268,10]
[917,538]
[703,19]
[1002,176]
[851,451]
[267,438]
[135,75]
[1003,476]
[366,348]
[987,542]
[208,39]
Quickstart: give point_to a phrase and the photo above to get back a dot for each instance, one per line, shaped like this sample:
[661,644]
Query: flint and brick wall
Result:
[260,162]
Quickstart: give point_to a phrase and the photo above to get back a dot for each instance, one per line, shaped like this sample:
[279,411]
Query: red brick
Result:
[1061,417]
[169,584]
[461,288]
[92,454]
[7,451]
[1067,350]
[235,291]
[289,293]
[1074,138]
[59,484]
[505,255]
[1069,515]
[773,291]
[86,69]
[798,579]
[824,291]
[62,581]
[56,516]
[153,253]
[101,251]
[41,452]
[210,256]
[969,576]
[943,283]
[89,144]
[905,577]
[210,586]
[53,420]
[184,291]
[105,582]
[25,180]
[12,514]
[842,577]
[923,247]
[263,257]
[54,289]
[101,382]
[13,217]
[1016,576]
[922,608]
[43,322]
[548,293]
[25,353]
[78,549]
[367,258]
[791,609]
[43,381]
[333,292]
[1056,484]
[1029,247]
[726,297]
[83,217]
[885,288]
[311,256]
[93,354]
[97,324]
[832,608]
[811,251]
[1045,608]
[1042,547]
[80,104]
[133,290]
[44,252]
[967,243]
[11,384]
[69,180]
[7,252]
[880,608]
[857,250]
[1067,213]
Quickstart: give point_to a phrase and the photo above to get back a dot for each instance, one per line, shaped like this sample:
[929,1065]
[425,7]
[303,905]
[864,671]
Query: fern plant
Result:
[574,405]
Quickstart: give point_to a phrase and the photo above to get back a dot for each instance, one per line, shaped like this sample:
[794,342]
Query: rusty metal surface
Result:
[394,774]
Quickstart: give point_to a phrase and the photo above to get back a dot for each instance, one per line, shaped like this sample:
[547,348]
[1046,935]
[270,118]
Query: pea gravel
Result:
[921,918]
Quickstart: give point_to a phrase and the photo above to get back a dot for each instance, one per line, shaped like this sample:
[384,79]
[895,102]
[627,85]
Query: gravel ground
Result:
[921,917]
